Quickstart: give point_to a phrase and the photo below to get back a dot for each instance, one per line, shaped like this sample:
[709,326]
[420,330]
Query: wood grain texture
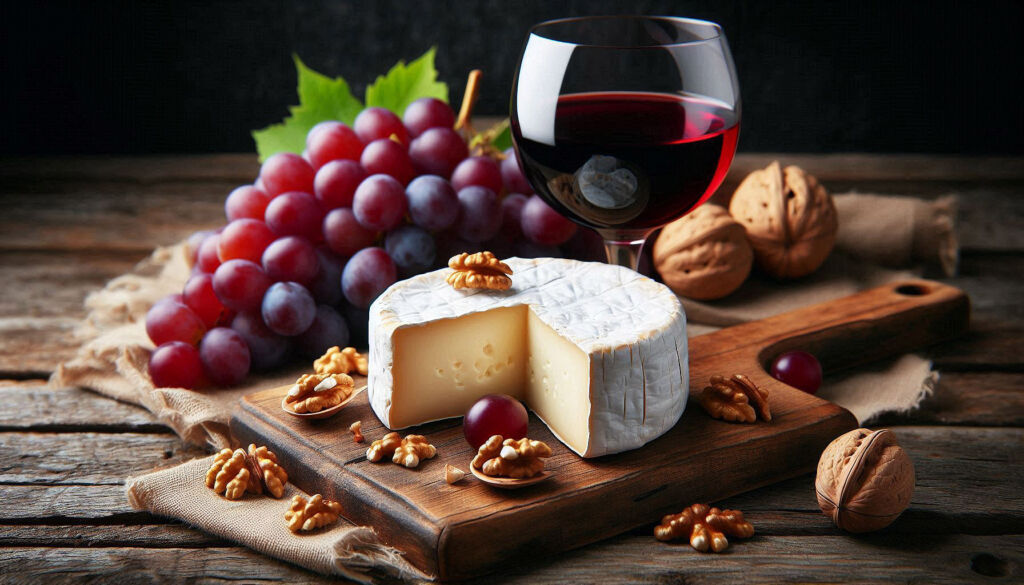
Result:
[86,458]
[590,498]
[32,405]
[633,560]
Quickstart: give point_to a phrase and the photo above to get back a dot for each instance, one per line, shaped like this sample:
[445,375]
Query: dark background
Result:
[816,76]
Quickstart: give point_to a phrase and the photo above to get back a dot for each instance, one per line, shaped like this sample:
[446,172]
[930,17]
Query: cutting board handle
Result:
[867,326]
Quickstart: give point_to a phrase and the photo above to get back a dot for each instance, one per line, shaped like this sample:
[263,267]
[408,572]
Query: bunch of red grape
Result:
[318,237]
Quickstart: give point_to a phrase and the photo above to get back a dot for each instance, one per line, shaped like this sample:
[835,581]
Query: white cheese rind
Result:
[632,328]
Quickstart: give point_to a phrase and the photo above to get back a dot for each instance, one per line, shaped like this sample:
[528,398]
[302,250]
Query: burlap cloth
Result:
[880,239]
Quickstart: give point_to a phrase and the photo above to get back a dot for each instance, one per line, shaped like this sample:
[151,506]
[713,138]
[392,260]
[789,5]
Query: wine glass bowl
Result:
[623,124]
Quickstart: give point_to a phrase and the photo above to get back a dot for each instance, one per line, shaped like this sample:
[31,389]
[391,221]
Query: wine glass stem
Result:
[624,253]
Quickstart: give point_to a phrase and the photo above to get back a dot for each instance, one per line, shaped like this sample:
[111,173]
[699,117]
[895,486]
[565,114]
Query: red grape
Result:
[175,364]
[326,285]
[512,215]
[426,113]
[437,152]
[366,275]
[329,141]
[295,214]
[207,259]
[288,308]
[284,172]
[433,204]
[328,329]
[246,201]
[245,239]
[411,248]
[479,214]
[544,225]
[799,369]
[495,414]
[477,170]
[290,258]
[512,174]
[240,284]
[344,234]
[379,203]
[266,349]
[377,123]
[225,356]
[388,157]
[200,297]
[336,183]
[171,320]
[192,246]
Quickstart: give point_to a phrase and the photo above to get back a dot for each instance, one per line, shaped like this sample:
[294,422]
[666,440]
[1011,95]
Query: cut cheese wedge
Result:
[598,352]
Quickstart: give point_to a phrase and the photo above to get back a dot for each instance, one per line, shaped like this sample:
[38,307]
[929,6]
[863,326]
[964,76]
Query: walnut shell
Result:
[790,219]
[865,480]
[704,254]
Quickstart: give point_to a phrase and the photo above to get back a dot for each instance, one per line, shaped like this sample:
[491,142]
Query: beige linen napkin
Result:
[257,521]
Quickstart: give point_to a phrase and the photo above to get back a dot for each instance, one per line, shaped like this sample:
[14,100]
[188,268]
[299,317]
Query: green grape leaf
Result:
[504,139]
[404,84]
[320,98]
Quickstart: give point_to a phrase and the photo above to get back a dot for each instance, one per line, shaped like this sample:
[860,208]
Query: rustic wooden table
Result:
[69,225]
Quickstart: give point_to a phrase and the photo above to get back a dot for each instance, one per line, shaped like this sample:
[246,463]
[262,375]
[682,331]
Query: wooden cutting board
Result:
[466,529]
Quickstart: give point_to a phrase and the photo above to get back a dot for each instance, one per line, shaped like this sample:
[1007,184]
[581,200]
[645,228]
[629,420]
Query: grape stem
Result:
[462,123]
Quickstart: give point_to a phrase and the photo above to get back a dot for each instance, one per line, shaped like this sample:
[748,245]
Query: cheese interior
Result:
[441,368]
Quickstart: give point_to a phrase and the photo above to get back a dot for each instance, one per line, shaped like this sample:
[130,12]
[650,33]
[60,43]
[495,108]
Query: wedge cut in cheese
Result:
[598,352]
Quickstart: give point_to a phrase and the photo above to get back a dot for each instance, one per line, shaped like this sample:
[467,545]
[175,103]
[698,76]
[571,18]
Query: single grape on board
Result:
[799,369]
[495,414]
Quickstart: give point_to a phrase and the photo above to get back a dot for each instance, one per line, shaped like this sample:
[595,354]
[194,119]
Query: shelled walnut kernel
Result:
[315,513]
[735,399]
[341,361]
[705,526]
[481,270]
[513,458]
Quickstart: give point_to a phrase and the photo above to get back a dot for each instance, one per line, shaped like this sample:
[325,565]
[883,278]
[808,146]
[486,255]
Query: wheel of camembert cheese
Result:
[598,352]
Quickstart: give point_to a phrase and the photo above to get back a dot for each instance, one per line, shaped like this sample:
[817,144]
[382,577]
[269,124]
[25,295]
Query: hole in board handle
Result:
[912,290]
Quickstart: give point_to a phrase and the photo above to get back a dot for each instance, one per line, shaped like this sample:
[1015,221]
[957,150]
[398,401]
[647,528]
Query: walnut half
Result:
[705,526]
[514,458]
[306,515]
[480,270]
[735,399]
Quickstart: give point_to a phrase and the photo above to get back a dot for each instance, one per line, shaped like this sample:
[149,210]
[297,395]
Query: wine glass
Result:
[625,123]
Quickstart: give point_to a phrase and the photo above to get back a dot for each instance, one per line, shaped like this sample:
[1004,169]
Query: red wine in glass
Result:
[631,161]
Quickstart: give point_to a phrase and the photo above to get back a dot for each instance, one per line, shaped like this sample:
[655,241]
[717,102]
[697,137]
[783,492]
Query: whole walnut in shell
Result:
[790,219]
[865,480]
[703,255]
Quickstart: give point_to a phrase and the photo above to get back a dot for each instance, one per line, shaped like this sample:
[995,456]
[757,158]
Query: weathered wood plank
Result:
[127,535]
[629,559]
[119,217]
[34,406]
[968,398]
[862,559]
[86,458]
[39,284]
[69,505]
[31,347]
[149,565]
